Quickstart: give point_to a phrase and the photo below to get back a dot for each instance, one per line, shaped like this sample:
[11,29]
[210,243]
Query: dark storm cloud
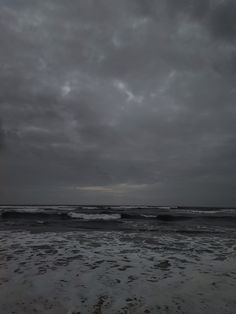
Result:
[222,20]
[197,9]
[218,16]
[2,137]
[118,101]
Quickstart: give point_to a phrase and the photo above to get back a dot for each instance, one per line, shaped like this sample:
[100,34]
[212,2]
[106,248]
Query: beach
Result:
[116,271]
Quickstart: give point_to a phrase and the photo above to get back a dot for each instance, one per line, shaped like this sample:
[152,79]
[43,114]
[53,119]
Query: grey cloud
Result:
[146,8]
[118,101]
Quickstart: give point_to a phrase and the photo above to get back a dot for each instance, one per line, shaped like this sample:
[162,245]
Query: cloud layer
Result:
[118,101]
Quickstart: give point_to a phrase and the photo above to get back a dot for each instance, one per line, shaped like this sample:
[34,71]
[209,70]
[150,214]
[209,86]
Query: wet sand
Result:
[90,271]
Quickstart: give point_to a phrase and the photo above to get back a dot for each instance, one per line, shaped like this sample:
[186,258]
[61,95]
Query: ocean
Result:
[120,217]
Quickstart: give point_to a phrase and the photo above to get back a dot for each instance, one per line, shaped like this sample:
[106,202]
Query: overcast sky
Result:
[129,101]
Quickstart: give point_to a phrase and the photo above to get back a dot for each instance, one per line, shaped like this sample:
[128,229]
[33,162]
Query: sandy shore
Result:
[116,272]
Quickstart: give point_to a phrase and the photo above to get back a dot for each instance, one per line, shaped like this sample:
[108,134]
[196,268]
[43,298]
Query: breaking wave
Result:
[94,216]
[53,213]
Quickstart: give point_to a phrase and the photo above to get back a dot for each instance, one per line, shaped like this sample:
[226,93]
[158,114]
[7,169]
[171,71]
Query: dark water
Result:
[127,218]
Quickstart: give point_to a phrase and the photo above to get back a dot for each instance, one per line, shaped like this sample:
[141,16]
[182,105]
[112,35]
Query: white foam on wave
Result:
[148,216]
[204,212]
[95,216]
[23,209]
[36,208]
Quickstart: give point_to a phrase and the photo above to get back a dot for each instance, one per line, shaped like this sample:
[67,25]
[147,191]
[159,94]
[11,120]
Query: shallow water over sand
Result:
[91,271]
